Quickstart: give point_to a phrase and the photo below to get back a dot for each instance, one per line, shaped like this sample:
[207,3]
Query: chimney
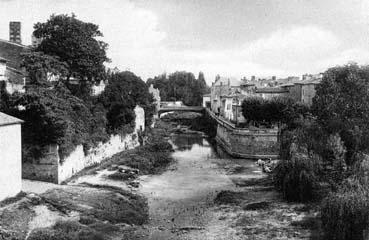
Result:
[15,32]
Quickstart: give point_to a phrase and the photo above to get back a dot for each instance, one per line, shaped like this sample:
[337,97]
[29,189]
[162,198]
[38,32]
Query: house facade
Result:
[220,88]
[11,72]
[10,156]
[269,93]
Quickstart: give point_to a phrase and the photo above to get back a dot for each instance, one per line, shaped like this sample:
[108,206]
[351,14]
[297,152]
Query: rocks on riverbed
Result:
[267,165]
[123,172]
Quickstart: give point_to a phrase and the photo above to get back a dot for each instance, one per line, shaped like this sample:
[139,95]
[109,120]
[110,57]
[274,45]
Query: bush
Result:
[298,177]
[345,214]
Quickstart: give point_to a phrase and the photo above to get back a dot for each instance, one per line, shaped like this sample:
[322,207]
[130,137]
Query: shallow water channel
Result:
[181,200]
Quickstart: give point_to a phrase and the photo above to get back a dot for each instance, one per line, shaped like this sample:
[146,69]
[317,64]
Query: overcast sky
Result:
[227,37]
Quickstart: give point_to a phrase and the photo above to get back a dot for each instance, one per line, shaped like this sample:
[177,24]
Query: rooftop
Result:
[5,119]
[310,81]
[271,90]
[225,80]
[13,43]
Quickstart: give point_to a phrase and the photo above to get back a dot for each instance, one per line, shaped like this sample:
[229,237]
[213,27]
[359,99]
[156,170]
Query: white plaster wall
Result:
[10,160]
[2,71]
[140,118]
[77,160]
[204,100]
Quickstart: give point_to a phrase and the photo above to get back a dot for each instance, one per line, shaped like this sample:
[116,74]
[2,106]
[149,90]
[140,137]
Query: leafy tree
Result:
[124,91]
[55,116]
[341,106]
[75,43]
[277,110]
[160,82]
[181,86]
[42,68]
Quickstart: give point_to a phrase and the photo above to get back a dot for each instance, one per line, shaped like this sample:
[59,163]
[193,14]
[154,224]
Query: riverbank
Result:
[101,202]
[189,189]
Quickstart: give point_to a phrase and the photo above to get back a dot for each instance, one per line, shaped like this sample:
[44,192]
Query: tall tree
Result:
[341,105]
[43,68]
[124,91]
[181,86]
[75,43]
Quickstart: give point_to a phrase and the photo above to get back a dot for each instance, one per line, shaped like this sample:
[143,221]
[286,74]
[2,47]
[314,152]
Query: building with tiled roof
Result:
[10,156]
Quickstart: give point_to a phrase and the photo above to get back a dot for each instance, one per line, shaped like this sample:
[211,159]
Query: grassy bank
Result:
[257,211]
[151,158]
[89,210]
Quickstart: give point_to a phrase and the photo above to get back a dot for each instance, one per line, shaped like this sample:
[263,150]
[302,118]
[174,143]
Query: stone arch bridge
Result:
[180,108]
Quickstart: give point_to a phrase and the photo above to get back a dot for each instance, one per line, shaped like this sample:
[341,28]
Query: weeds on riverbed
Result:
[298,177]
[149,159]
[103,203]
[345,213]
[66,230]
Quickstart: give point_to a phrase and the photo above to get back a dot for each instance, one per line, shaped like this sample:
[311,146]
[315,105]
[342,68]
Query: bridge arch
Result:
[164,109]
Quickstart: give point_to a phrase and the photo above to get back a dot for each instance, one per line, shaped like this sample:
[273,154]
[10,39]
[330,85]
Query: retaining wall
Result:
[51,168]
[245,143]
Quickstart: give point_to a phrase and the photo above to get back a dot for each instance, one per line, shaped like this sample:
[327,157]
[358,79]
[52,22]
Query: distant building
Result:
[226,106]
[206,100]
[11,156]
[15,32]
[271,92]
[307,90]
[222,87]
[12,79]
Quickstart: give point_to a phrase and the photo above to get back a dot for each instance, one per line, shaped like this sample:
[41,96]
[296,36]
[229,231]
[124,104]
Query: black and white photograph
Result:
[184,119]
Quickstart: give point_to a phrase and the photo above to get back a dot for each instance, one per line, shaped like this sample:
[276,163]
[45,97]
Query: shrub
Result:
[345,214]
[298,177]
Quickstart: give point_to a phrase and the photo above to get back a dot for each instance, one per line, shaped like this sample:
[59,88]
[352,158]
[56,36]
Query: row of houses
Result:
[227,94]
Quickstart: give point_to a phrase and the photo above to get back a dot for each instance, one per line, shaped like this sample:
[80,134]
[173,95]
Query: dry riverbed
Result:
[195,192]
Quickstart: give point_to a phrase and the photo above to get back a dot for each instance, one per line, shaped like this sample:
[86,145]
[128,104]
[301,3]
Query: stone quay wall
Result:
[245,143]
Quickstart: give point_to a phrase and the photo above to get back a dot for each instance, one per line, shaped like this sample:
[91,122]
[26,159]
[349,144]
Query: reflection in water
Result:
[185,142]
